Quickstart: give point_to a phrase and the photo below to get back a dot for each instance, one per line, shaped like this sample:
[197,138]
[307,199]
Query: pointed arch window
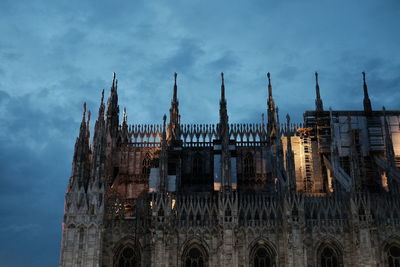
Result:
[195,256]
[329,256]
[81,237]
[263,256]
[146,165]
[248,168]
[393,255]
[128,257]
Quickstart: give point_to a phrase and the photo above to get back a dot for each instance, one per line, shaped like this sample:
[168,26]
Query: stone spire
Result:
[223,129]
[367,101]
[99,144]
[174,117]
[318,101]
[112,121]
[81,160]
[99,126]
[124,128]
[164,158]
[290,168]
[223,113]
[271,126]
[102,106]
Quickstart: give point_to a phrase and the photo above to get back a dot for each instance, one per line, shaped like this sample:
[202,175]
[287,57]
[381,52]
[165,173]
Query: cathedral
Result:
[321,193]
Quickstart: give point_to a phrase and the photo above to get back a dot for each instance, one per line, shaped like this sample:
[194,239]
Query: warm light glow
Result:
[384,181]
[330,183]
[217,186]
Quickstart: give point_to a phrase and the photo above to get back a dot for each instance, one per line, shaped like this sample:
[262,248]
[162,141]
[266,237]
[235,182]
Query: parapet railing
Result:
[209,209]
[202,135]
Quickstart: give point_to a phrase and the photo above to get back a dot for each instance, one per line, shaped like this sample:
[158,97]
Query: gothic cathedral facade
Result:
[322,193]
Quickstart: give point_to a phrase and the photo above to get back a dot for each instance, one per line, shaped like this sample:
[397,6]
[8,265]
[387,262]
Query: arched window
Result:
[197,166]
[128,257]
[81,236]
[146,165]
[195,256]
[393,255]
[248,168]
[329,256]
[263,256]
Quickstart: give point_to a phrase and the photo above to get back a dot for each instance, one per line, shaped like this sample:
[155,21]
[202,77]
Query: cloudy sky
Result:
[55,55]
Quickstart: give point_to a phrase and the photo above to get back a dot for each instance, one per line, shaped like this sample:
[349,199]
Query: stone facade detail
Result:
[322,193]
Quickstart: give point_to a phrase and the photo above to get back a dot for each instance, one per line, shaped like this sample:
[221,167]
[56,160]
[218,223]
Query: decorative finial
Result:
[316,77]
[84,109]
[164,119]
[125,116]
[363,74]
[222,77]
[88,116]
[269,78]
[102,96]
[175,75]
[383,108]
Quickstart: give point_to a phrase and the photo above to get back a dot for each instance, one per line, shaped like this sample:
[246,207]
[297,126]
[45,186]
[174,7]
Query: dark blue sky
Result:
[54,55]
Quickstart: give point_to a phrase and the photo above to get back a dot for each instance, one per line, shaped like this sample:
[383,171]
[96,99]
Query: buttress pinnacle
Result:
[174,117]
[318,101]
[271,126]
[222,87]
[367,101]
[175,97]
